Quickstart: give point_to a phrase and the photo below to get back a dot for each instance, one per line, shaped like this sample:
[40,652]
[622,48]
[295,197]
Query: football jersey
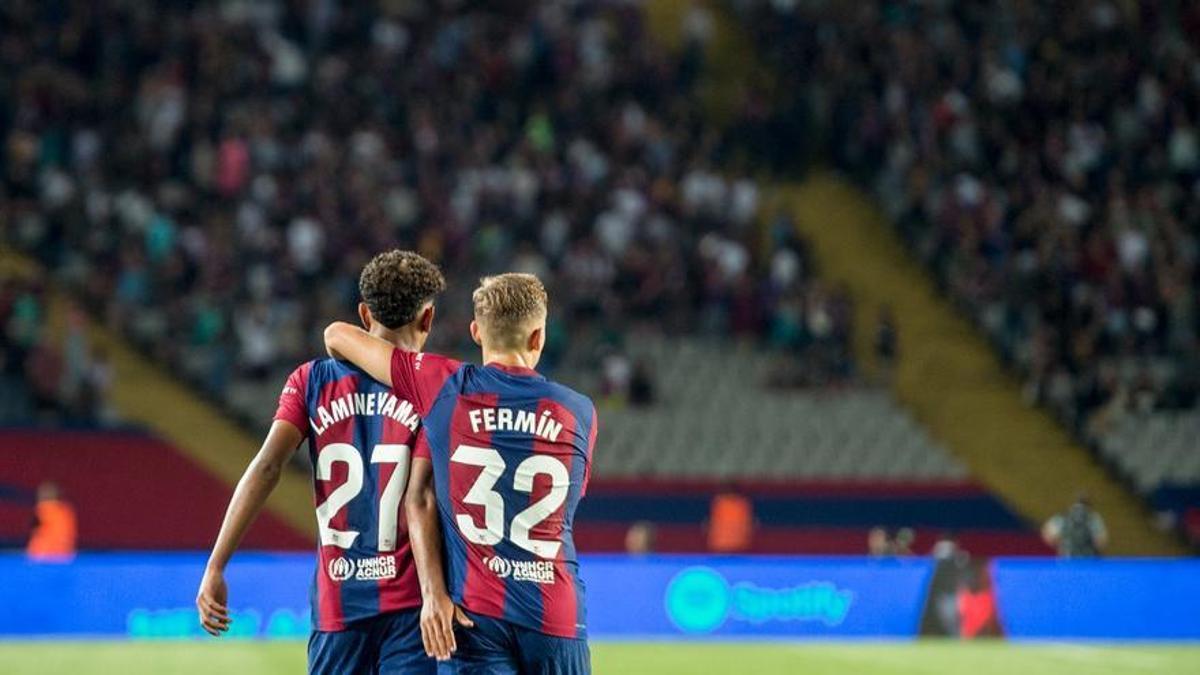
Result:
[360,436]
[511,455]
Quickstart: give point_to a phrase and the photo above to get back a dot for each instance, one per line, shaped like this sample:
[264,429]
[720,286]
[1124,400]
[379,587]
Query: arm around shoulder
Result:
[351,343]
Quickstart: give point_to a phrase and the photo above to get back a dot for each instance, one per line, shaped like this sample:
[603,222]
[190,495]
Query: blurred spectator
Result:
[617,373]
[946,547]
[886,343]
[97,384]
[641,385]
[44,371]
[63,377]
[1191,525]
[54,531]
[730,522]
[949,575]
[1079,532]
[879,544]
[902,544]
[639,538]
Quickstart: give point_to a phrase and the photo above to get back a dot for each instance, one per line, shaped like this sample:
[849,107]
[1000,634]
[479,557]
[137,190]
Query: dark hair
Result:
[395,284]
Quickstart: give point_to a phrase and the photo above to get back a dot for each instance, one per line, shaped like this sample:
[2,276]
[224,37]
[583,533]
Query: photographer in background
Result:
[1079,532]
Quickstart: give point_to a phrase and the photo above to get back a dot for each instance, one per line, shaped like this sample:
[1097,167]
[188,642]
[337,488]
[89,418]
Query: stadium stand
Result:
[1158,449]
[619,206]
[548,145]
[1042,160]
[807,516]
[132,491]
[552,149]
[1157,453]
[718,418]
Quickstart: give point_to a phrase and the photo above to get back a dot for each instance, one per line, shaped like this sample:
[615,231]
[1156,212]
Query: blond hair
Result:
[507,306]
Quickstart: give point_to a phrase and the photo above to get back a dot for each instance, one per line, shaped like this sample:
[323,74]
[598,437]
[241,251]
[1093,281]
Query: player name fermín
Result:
[375,403]
[507,419]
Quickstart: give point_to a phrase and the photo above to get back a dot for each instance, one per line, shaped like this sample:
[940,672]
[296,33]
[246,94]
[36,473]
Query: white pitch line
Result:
[1088,654]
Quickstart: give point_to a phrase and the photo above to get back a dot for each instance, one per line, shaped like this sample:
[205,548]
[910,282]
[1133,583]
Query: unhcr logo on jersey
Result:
[535,571]
[701,600]
[499,566]
[341,568]
[365,569]
[374,569]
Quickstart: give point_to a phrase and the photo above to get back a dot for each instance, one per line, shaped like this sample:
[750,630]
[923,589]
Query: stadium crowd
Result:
[43,377]
[1042,158]
[210,177]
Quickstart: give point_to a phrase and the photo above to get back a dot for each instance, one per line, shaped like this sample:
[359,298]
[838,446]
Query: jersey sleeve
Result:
[421,375]
[293,406]
[421,448]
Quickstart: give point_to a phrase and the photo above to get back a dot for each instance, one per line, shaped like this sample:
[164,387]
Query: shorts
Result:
[385,645]
[496,647]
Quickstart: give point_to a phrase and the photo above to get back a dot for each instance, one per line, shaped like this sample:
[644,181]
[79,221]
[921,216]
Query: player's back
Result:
[360,437]
[511,453]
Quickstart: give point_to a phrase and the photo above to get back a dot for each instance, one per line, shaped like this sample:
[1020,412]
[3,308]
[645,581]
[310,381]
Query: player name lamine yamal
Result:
[373,403]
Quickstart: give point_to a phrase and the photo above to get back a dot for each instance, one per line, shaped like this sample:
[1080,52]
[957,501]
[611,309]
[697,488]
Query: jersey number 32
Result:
[482,493]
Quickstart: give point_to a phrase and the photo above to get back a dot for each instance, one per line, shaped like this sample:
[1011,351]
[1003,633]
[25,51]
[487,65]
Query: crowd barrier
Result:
[149,596]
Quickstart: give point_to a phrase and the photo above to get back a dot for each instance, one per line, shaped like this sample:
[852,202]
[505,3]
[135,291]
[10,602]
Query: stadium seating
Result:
[1063,225]
[131,491]
[821,467]
[809,517]
[1156,449]
[96,469]
[1159,452]
[717,418]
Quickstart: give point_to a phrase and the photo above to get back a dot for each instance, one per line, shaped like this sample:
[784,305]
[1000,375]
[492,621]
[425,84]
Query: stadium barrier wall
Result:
[149,596]
[1129,599]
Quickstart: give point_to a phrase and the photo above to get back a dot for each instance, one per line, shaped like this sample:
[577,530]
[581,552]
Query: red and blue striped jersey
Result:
[511,454]
[360,438]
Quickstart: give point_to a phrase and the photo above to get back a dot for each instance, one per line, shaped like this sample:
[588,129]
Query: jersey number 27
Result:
[389,497]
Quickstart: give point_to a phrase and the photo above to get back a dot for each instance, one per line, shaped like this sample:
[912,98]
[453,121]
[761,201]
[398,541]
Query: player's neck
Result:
[405,337]
[515,359]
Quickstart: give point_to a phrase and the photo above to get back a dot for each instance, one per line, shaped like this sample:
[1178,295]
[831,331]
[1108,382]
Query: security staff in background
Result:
[1079,532]
[55,528]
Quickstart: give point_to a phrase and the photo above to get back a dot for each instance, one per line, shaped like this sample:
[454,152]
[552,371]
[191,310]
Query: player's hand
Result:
[212,601]
[438,616]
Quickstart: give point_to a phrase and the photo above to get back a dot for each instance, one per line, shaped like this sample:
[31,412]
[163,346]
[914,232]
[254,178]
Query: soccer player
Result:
[366,604]
[509,452]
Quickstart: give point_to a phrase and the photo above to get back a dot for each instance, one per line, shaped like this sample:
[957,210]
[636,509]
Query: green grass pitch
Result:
[920,658]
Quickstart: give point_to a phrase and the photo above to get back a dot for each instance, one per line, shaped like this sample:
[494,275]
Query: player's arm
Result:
[438,613]
[350,343]
[251,493]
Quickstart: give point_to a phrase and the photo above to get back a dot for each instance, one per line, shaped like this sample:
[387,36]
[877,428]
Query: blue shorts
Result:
[385,644]
[495,647]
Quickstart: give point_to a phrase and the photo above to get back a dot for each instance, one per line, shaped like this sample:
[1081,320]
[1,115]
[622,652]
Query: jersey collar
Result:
[516,370]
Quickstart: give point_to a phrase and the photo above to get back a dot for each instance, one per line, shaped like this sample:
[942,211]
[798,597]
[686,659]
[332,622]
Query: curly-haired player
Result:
[366,601]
